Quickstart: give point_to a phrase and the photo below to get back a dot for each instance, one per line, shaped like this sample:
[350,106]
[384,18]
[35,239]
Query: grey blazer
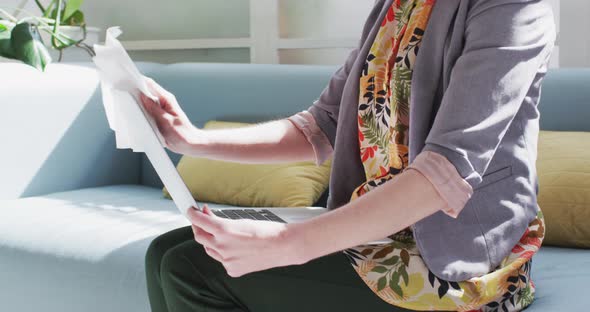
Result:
[475,90]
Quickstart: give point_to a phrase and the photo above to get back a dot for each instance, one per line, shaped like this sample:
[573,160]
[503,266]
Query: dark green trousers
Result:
[181,277]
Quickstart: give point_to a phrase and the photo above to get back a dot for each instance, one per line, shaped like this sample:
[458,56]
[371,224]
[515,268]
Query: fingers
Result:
[152,107]
[167,99]
[208,242]
[162,118]
[146,102]
[214,254]
[227,263]
[208,211]
[205,220]
[203,238]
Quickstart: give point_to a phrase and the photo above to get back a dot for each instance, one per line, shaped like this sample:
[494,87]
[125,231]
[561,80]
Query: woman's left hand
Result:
[245,246]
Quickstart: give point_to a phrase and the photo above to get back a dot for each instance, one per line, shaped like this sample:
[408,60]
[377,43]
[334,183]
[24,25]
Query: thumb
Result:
[151,106]
[208,211]
[163,97]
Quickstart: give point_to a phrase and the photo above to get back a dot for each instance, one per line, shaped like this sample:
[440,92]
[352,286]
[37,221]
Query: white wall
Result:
[193,19]
[297,19]
[574,39]
[336,19]
[175,19]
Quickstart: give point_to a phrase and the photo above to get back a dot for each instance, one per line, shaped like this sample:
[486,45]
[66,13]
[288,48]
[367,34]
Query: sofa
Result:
[77,215]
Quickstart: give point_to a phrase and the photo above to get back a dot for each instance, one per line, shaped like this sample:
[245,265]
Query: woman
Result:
[432,125]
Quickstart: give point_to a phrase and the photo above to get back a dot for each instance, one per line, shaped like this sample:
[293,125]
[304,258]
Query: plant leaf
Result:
[28,47]
[57,20]
[5,35]
[40,6]
[49,9]
[6,49]
[5,29]
[75,19]
[52,14]
[63,41]
[72,7]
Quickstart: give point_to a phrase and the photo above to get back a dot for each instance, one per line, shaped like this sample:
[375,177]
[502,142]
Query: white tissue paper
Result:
[122,84]
[120,78]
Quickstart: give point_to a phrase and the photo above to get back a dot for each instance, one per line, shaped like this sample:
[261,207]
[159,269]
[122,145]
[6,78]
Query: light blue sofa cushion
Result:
[84,251]
[81,250]
[238,92]
[54,133]
[565,100]
[561,276]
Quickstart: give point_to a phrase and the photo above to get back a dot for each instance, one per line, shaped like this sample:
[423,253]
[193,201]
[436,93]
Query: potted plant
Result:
[61,22]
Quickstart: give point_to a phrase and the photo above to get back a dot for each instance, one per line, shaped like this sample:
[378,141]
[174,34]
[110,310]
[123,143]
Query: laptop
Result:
[184,200]
[145,129]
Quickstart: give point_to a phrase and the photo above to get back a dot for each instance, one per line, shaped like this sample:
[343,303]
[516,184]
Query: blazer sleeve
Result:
[507,43]
[326,108]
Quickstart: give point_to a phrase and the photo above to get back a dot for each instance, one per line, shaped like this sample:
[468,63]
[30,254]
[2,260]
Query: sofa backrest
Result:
[565,100]
[249,93]
[55,137]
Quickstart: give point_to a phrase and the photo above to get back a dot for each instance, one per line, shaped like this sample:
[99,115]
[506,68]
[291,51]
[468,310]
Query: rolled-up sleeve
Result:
[445,179]
[305,122]
[506,44]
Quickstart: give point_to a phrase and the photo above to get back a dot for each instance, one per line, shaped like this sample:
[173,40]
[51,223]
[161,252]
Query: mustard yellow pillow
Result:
[563,167]
[281,185]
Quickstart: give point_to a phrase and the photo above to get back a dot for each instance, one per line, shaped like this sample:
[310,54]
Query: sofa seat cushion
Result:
[561,276]
[84,251]
[81,250]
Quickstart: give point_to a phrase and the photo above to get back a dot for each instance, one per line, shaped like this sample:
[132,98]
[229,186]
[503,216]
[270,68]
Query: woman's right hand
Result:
[178,132]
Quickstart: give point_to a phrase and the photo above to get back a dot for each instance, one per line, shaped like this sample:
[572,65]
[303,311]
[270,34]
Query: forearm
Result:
[388,209]
[271,142]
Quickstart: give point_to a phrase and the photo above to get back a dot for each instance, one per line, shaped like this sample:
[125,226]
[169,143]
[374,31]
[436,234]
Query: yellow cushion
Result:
[563,167]
[281,185]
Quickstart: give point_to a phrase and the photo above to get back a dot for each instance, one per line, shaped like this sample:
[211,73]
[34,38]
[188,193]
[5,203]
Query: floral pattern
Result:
[396,272]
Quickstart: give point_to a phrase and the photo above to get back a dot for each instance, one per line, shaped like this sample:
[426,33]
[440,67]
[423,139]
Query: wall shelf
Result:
[316,43]
[184,44]
[224,43]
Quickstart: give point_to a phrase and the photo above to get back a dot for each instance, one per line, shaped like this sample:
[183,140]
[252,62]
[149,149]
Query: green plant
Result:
[20,38]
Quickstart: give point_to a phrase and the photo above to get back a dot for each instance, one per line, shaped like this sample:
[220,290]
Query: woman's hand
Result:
[178,132]
[245,246]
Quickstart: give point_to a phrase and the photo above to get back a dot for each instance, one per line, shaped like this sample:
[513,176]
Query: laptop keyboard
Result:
[252,214]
